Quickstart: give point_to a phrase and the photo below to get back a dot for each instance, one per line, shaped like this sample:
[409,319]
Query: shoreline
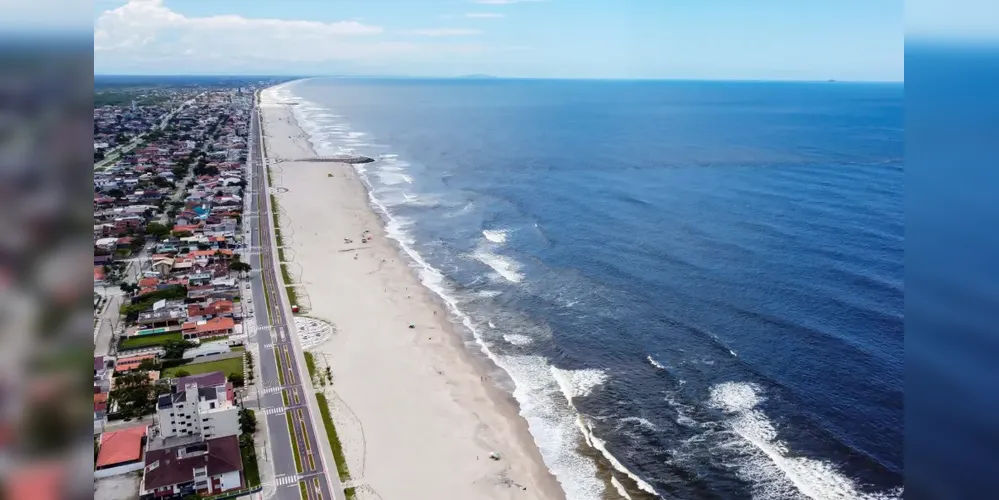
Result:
[488,410]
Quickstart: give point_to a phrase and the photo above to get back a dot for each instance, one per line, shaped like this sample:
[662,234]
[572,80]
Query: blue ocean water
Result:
[696,288]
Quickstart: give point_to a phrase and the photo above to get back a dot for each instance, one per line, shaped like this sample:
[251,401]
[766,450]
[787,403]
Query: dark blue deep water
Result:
[696,288]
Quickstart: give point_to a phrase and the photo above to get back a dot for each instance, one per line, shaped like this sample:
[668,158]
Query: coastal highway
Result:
[277,339]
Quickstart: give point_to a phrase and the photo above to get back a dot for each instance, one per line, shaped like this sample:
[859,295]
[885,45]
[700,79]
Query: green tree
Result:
[134,394]
[157,230]
[174,349]
[247,421]
[240,267]
[236,379]
[149,364]
[181,373]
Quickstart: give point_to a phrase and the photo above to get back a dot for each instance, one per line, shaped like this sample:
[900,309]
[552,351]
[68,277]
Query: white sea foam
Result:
[578,383]
[504,266]
[552,422]
[396,229]
[732,353]
[619,487]
[495,235]
[601,445]
[518,339]
[682,411]
[393,178]
[489,293]
[655,363]
[644,422]
[773,473]
[491,324]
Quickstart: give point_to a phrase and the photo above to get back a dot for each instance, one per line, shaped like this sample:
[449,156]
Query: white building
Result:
[198,405]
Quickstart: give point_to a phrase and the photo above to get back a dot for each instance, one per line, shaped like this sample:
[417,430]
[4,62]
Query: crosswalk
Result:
[289,479]
[276,410]
[272,389]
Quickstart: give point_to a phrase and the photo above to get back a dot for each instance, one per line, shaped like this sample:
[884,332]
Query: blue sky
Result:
[697,39]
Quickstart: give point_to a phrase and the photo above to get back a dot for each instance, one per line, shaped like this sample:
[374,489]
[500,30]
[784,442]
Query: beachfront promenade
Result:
[283,380]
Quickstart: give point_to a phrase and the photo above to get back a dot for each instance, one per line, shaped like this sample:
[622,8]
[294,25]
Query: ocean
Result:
[695,289]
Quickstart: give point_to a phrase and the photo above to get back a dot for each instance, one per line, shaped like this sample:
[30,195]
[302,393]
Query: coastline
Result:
[417,412]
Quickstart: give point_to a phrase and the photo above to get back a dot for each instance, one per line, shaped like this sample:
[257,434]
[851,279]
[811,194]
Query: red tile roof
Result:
[125,364]
[181,229]
[121,446]
[212,325]
[209,253]
[221,306]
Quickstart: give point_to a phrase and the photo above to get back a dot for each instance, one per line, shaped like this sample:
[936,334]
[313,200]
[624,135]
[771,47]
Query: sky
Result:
[859,40]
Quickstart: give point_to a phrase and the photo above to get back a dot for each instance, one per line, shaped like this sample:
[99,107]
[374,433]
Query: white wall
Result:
[224,422]
[117,471]
[229,480]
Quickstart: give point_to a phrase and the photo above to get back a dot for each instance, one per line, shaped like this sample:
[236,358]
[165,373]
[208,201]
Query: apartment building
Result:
[198,405]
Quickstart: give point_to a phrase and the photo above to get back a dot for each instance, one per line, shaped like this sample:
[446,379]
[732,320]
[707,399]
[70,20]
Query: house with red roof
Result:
[121,451]
[214,309]
[214,327]
[131,363]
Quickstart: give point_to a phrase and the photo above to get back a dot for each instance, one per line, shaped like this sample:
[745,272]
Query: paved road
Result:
[275,340]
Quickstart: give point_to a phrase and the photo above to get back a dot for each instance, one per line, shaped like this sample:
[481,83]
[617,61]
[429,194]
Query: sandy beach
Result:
[416,411]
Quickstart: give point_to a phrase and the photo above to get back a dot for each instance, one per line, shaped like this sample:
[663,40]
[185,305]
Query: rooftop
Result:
[119,447]
[169,466]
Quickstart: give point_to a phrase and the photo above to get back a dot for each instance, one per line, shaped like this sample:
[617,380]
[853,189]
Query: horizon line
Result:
[492,77]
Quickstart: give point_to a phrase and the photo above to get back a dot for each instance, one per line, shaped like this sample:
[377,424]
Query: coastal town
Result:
[172,307]
[224,367]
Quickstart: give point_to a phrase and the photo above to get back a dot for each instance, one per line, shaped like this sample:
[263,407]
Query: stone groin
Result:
[343,159]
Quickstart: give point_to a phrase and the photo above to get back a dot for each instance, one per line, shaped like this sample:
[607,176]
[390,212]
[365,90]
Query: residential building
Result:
[196,467]
[214,327]
[121,451]
[130,363]
[198,405]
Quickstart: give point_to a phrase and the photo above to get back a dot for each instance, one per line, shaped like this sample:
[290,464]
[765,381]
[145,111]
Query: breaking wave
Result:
[495,235]
[773,473]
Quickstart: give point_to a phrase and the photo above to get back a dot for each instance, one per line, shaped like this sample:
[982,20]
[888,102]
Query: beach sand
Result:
[417,411]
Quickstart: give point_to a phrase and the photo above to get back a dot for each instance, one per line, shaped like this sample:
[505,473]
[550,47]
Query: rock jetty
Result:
[338,159]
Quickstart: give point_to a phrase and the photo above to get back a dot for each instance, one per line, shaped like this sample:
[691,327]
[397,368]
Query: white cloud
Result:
[148,30]
[146,36]
[444,32]
[484,15]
